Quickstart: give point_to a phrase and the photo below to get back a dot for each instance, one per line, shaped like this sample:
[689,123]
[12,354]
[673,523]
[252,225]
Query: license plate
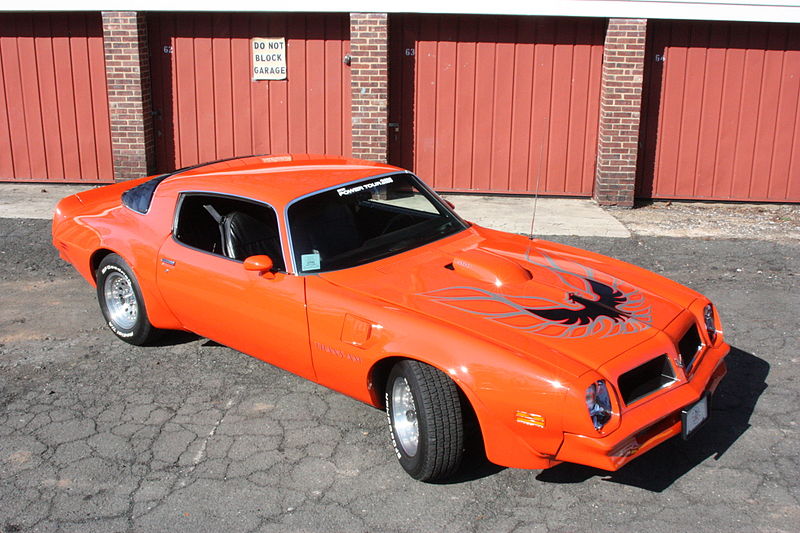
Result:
[694,416]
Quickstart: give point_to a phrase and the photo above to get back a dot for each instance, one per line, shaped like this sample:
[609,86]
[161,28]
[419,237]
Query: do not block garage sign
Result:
[269,58]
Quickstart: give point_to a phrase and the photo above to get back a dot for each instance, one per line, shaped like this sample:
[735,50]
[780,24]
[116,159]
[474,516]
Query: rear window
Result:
[140,197]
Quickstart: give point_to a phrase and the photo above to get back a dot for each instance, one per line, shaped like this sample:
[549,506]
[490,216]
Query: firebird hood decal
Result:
[572,303]
[592,308]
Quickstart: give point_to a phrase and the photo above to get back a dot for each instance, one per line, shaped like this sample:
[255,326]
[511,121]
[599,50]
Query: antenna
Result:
[535,200]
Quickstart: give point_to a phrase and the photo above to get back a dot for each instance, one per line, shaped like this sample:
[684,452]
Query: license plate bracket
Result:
[694,416]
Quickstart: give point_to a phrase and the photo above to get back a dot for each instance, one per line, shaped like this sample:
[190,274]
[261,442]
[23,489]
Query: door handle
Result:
[166,261]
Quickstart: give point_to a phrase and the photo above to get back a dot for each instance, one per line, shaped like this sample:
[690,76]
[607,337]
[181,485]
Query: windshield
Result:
[365,221]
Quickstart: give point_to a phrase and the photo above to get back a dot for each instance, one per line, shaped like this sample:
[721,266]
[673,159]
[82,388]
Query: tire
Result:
[121,302]
[426,420]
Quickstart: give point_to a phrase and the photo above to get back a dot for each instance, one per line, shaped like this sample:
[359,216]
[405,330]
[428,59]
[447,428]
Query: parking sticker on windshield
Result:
[310,261]
[346,191]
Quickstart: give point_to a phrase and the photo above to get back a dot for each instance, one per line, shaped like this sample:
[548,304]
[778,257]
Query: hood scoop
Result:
[489,268]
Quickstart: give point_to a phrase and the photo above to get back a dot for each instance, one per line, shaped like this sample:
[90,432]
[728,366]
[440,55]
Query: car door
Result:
[208,289]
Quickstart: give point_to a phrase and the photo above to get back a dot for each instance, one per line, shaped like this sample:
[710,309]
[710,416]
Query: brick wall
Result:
[620,109]
[369,86]
[129,100]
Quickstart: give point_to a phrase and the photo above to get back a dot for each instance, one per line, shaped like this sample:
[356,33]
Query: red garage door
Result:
[722,116]
[54,122]
[208,107]
[491,103]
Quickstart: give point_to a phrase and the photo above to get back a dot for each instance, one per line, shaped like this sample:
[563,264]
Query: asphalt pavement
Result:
[97,435]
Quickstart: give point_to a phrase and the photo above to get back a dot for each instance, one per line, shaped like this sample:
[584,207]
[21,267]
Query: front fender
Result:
[517,399]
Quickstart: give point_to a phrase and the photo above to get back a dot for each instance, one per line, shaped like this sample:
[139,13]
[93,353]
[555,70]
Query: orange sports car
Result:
[357,276]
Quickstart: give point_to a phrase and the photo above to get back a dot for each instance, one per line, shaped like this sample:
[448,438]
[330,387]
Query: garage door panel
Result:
[82,74]
[522,114]
[186,100]
[275,138]
[729,121]
[101,121]
[210,108]
[6,163]
[539,147]
[222,87]
[52,72]
[748,115]
[62,57]
[693,62]
[447,58]
[583,104]
[788,125]
[711,106]
[12,85]
[593,103]
[560,117]
[296,63]
[721,112]
[767,120]
[204,68]
[481,100]
[48,97]
[501,116]
[464,109]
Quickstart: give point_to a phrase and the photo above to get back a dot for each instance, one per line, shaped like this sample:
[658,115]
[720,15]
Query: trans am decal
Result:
[591,308]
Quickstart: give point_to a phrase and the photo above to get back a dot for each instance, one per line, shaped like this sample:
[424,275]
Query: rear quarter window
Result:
[140,197]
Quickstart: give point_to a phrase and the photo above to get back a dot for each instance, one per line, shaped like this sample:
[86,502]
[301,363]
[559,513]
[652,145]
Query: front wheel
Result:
[121,302]
[426,423]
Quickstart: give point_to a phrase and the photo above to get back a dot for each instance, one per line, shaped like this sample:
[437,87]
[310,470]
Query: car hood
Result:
[530,296]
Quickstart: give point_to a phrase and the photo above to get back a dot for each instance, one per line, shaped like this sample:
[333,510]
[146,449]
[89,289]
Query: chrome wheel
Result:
[123,308]
[404,416]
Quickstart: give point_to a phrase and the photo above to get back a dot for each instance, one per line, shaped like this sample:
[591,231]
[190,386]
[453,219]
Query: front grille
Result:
[645,379]
[689,347]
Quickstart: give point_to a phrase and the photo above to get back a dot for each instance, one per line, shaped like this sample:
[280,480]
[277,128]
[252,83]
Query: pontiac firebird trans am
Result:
[357,276]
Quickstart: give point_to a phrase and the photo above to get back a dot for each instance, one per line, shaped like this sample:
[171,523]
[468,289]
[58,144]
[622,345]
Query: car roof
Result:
[277,178]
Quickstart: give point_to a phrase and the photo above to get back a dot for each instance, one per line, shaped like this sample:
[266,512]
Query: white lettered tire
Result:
[426,420]
[121,302]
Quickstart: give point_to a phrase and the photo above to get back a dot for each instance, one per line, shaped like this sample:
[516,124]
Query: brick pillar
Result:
[369,75]
[129,99]
[620,110]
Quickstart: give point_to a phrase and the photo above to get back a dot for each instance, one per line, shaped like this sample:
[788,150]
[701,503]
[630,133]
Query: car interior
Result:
[230,227]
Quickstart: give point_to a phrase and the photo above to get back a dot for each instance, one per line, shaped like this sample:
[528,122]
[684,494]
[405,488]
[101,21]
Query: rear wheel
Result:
[121,302]
[425,419]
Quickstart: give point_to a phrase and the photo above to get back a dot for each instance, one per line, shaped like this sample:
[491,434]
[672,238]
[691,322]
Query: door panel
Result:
[217,298]
[203,280]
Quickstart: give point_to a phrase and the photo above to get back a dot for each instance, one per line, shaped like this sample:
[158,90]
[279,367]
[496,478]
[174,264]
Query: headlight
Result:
[708,316]
[598,403]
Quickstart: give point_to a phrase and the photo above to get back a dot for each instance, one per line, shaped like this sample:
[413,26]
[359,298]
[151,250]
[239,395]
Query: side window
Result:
[229,227]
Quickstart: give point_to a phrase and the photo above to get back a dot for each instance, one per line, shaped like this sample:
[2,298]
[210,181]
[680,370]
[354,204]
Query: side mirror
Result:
[260,263]
[450,204]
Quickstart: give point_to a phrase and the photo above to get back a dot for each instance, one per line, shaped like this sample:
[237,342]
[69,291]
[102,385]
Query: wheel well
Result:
[377,386]
[377,380]
[95,260]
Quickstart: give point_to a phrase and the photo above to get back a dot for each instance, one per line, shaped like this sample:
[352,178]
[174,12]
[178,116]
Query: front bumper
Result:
[648,425]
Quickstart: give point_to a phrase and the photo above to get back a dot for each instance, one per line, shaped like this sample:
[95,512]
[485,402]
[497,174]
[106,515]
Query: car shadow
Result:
[474,464]
[731,409]
[174,338]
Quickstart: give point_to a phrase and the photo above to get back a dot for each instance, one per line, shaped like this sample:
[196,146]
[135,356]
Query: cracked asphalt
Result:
[96,435]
